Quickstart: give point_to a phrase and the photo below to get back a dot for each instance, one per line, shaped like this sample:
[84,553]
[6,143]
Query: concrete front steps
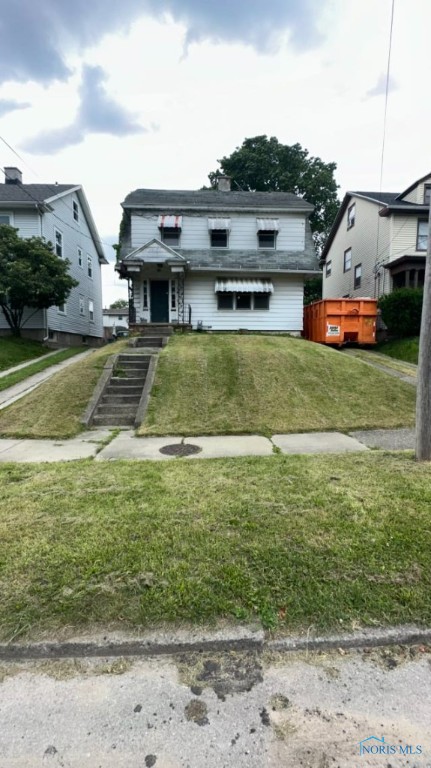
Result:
[121,398]
[153,342]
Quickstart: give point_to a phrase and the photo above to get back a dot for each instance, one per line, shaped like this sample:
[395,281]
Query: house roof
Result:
[391,202]
[32,193]
[115,312]
[412,186]
[210,199]
[220,259]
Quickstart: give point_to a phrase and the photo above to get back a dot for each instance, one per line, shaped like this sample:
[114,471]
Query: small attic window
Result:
[427,194]
[351,214]
[75,211]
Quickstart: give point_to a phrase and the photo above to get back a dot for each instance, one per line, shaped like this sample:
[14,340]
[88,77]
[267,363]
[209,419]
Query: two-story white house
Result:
[59,213]
[378,242]
[219,259]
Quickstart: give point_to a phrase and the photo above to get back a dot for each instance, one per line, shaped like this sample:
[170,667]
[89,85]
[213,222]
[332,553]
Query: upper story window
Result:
[81,306]
[351,214]
[347,260]
[328,268]
[59,243]
[422,235]
[427,194]
[170,229]
[357,276]
[75,211]
[4,218]
[80,257]
[219,232]
[267,230]
[89,266]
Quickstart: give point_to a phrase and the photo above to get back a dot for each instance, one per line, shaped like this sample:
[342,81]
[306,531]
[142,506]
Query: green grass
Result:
[323,541]
[15,351]
[54,409]
[37,367]
[402,349]
[227,384]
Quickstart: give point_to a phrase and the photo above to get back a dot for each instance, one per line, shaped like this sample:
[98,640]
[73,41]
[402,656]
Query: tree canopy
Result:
[119,304]
[265,165]
[31,275]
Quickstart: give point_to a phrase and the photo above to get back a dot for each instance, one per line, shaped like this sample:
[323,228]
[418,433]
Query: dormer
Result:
[418,193]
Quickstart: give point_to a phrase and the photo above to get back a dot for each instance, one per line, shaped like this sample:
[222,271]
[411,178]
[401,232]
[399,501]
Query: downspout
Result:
[45,312]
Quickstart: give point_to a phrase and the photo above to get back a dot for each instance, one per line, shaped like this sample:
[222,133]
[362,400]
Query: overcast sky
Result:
[150,93]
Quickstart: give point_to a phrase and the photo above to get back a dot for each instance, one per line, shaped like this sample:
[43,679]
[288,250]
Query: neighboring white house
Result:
[378,242]
[115,321]
[59,213]
[217,258]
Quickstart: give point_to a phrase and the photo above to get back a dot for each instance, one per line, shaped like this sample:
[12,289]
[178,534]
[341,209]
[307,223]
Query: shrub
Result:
[401,311]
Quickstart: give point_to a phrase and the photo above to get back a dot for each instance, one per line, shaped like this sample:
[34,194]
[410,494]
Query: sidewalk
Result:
[9,395]
[94,444]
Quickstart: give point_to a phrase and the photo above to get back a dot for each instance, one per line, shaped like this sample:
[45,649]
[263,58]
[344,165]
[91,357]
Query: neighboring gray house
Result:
[217,258]
[378,242]
[59,213]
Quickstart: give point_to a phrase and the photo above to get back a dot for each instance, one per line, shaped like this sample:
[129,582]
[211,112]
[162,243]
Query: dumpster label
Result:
[333,330]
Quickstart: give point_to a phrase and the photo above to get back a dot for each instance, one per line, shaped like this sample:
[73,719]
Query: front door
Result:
[160,301]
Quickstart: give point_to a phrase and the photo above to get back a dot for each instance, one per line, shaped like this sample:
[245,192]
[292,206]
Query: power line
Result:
[388,72]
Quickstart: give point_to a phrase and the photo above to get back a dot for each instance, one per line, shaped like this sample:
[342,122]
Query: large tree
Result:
[119,304]
[265,165]
[31,276]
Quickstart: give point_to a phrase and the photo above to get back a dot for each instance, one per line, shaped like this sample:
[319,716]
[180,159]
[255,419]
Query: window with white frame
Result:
[91,309]
[59,243]
[170,235]
[422,235]
[89,265]
[4,218]
[80,257]
[62,308]
[81,306]
[427,194]
[351,215]
[145,294]
[173,295]
[347,260]
[75,211]
[328,268]
[219,238]
[266,238]
[243,301]
[357,276]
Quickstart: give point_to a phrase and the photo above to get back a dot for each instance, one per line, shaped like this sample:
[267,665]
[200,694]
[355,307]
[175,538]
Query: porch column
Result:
[407,278]
[415,278]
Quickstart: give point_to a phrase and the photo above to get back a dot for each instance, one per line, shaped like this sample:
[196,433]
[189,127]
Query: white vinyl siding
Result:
[242,235]
[284,314]
[417,194]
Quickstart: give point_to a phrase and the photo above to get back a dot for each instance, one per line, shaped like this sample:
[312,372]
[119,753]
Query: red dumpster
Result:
[338,321]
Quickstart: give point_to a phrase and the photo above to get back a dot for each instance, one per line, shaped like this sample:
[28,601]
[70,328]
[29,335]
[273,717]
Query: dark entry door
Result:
[159,301]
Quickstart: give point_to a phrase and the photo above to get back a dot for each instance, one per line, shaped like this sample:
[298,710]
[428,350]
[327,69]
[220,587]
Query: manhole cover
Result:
[180,449]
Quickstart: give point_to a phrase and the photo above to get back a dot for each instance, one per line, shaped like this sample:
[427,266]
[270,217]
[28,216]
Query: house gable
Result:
[416,192]
[154,252]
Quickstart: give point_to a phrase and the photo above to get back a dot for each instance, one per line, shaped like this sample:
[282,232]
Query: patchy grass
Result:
[323,541]
[375,358]
[37,367]
[15,351]
[227,384]
[402,349]
[54,409]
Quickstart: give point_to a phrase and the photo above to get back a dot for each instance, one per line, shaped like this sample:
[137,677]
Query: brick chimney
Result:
[223,183]
[12,175]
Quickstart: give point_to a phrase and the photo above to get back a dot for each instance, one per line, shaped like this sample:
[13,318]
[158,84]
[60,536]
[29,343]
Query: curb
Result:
[237,640]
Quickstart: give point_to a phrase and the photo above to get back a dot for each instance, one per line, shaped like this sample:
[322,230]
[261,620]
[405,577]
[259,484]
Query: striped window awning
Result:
[218,224]
[243,286]
[170,222]
[267,225]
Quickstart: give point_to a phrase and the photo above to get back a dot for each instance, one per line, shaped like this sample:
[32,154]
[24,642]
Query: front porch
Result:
[407,272]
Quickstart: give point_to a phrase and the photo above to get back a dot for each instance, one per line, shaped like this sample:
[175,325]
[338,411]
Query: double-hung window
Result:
[422,235]
[427,194]
[75,211]
[267,230]
[328,268]
[347,260]
[89,266]
[58,243]
[170,229]
[91,309]
[4,218]
[351,215]
[80,257]
[357,276]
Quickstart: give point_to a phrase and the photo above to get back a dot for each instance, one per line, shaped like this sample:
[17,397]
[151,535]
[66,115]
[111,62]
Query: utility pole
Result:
[423,399]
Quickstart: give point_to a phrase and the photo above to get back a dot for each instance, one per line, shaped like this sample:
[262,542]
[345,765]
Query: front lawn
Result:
[55,409]
[233,384]
[306,541]
[38,366]
[15,351]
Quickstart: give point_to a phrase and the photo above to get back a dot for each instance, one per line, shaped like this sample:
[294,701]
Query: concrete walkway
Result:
[11,394]
[33,360]
[376,361]
[105,445]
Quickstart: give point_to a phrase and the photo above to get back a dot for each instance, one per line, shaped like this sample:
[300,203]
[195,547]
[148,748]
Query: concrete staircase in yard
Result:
[120,400]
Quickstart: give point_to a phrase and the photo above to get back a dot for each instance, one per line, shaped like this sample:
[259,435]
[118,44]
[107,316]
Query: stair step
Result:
[135,358]
[129,380]
[116,410]
[120,398]
[123,389]
[113,421]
